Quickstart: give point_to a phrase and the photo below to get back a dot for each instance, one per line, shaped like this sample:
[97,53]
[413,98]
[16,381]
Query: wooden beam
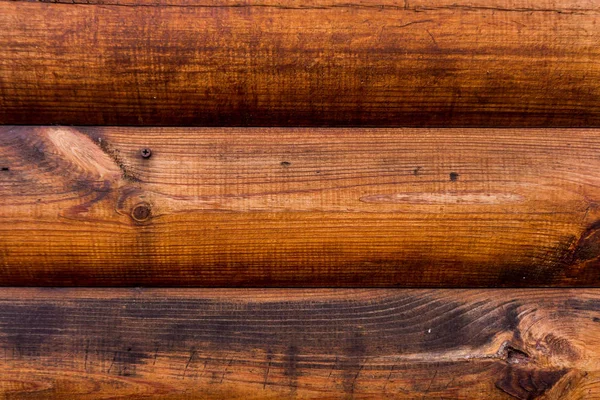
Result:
[309,344]
[300,62]
[299,207]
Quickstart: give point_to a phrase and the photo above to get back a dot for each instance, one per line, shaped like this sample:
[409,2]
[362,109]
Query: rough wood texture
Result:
[317,207]
[299,344]
[300,62]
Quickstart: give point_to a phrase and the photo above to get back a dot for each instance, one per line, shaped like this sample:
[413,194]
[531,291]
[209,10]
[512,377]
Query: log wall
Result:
[299,207]
[510,63]
[299,344]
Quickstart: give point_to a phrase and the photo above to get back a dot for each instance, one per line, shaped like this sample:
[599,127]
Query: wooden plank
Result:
[299,207]
[301,344]
[504,63]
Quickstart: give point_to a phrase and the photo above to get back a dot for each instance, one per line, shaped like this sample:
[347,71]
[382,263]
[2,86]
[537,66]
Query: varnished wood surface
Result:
[301,62]
[299,344]
[299,207]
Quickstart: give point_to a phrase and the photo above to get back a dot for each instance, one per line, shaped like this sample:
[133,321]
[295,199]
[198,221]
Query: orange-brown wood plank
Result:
[297,207]
[300,62]
[299,344]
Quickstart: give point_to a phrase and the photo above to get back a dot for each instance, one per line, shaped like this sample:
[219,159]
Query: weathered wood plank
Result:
[305,344]
[295,207]
[301,62]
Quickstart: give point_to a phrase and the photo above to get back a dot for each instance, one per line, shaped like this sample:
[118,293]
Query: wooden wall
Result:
[510,63]
[299,207]
[368,148]
[299,344]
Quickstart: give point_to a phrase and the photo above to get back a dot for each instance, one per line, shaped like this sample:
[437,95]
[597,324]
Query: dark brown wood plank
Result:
[299,344]
[303,62]
[299,207]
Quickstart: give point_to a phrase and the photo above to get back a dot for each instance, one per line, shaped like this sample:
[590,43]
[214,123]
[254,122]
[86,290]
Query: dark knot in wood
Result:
[141,212]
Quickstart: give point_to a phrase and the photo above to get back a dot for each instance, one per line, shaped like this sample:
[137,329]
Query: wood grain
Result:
[299,344]
[299,207]
[510,63]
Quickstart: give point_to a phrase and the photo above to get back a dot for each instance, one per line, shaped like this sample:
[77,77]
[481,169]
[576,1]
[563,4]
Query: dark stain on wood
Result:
[299,343]
[588,246]
[527,384]
[586,305]
[29,329]
[291,368]
[585,254]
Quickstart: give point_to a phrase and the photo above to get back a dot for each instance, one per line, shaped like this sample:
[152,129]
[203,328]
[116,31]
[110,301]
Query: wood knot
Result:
[585,254]
[522,377]
[141,212]
[516,356]
[588,246]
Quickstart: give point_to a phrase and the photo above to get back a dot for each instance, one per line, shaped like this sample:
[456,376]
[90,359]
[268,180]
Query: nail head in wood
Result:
[146,153]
